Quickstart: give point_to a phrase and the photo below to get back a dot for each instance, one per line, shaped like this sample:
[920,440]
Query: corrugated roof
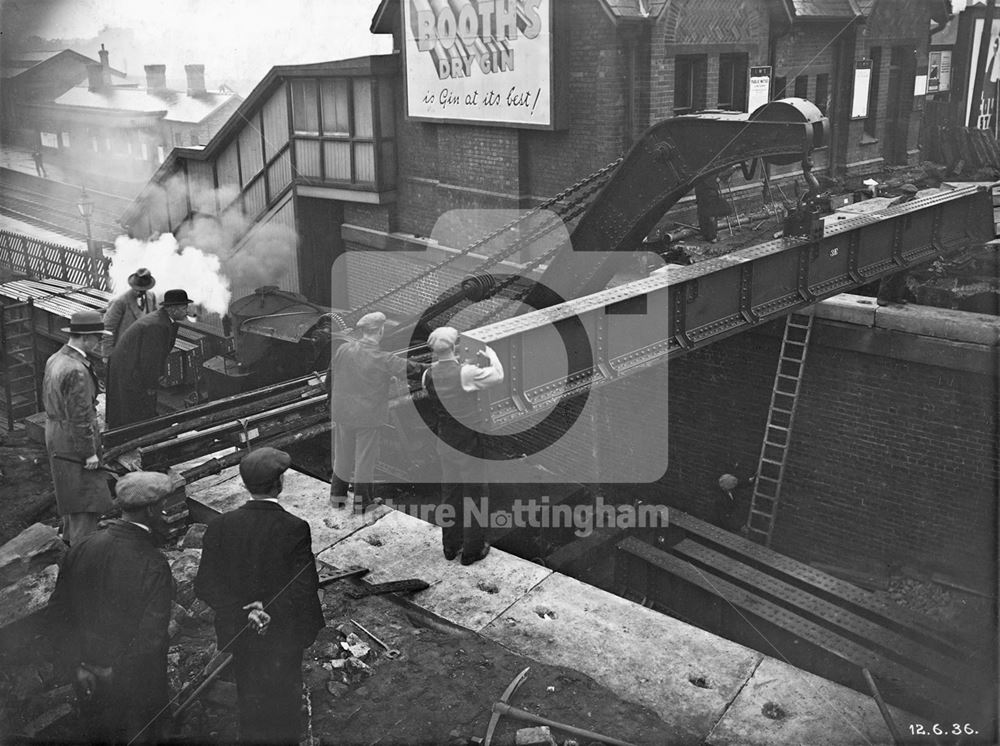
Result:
[826,9]
[178,107]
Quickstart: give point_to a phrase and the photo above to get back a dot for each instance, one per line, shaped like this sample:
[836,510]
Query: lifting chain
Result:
[600,174]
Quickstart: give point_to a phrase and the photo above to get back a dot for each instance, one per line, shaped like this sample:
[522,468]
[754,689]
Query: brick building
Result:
[132,128]
[35,78]
[362,157]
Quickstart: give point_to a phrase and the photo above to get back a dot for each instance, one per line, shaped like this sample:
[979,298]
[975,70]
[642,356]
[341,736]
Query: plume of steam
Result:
[173,267]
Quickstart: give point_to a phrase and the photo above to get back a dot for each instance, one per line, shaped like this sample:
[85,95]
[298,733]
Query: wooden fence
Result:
[960,148]
[30,257]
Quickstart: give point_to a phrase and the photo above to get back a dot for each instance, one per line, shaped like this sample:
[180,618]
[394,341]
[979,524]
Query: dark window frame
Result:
[690,83]
[733,81]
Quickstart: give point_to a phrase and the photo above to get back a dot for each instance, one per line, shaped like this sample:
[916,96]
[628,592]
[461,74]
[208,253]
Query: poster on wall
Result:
[759,89]
[982,113]
[939,71]
[862,84]
[489,63]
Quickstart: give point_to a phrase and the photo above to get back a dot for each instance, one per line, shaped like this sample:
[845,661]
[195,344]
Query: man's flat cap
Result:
[374,320]
[443,338]
[728,482]
[138,489]
[262,466]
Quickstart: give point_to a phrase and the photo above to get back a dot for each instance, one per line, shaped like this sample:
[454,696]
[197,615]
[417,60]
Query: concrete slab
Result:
[399,546]
[813,710]
[304,496]
[642,655]
[851,309]
[942,323]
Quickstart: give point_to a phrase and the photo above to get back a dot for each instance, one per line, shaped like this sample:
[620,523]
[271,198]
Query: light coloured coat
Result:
[69,392]
[122,312]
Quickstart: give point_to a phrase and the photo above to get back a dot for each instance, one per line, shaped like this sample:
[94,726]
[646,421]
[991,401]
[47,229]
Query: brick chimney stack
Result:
[105,68]
[95,77]
[195,79]
[156,77]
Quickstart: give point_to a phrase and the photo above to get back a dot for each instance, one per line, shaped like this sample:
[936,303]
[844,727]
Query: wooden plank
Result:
[852,655]
[820,583]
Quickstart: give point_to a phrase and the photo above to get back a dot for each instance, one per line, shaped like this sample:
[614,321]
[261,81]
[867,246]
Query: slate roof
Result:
[178,107]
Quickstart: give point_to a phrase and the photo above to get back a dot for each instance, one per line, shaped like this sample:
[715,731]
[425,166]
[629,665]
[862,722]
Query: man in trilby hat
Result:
[69,393]
[139,359]
[129,307]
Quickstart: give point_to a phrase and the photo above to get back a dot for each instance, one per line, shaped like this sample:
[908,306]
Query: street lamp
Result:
[86,208]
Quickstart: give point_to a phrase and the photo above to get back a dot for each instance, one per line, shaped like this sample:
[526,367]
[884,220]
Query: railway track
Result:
[55,213]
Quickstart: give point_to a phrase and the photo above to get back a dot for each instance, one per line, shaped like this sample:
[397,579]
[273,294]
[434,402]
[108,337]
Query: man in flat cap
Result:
[111,607]
[258,573]
[129,307]
[453,389]
[359,385]
[69,394]
[139,359]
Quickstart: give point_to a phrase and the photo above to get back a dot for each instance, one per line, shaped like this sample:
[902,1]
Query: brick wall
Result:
[890,460]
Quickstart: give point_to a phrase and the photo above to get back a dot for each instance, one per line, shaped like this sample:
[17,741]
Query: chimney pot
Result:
[195,79]
[156,77]
[105,68]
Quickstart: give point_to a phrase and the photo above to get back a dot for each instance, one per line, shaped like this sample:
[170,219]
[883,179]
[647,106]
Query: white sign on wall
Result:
[862,84]
[759,89]
[474,61]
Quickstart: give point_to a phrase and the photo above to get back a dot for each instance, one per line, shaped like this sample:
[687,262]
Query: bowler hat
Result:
[85,322]
[138,489]
[372,321]
[176,298]
[262,466]
[141,279]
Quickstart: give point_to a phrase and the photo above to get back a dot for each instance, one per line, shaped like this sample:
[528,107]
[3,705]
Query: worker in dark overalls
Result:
[453,389]
[711,206]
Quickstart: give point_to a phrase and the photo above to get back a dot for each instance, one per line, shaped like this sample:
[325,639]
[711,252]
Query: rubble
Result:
[192,539]
[36,547]
[539,735]
[27,596]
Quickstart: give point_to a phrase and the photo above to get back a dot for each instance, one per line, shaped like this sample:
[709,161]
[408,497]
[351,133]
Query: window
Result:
[336,113]
[780,88]
[871,123]
[823,92]
[355,128]
[305,112]
[733,81]
[194,138]
[689,83]
[177,139]
[802,86]
[65,139]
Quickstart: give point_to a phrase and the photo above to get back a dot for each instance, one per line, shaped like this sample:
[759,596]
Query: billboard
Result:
[479,61]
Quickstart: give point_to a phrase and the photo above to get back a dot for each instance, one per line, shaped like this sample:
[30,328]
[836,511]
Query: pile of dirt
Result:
[439,690]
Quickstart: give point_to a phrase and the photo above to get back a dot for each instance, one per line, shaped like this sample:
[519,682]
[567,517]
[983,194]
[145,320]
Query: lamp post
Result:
[86,208]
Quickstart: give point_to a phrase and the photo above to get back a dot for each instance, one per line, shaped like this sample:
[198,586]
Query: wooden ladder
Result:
[18,368]
[778,432]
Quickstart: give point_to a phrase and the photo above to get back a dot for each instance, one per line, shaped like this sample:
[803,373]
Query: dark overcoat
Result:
[111,606]
[261,552]
[135,367]
[69,392]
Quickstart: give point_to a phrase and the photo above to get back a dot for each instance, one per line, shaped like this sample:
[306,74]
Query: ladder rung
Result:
[785,375]
[766,513]
[772,461]
[778,427]
[786,359]
[779,409]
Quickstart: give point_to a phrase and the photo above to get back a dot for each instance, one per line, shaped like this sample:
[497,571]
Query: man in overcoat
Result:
[138,361]
[111,609]
[359,380]
[129,307]
[258,573]
[72,439]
